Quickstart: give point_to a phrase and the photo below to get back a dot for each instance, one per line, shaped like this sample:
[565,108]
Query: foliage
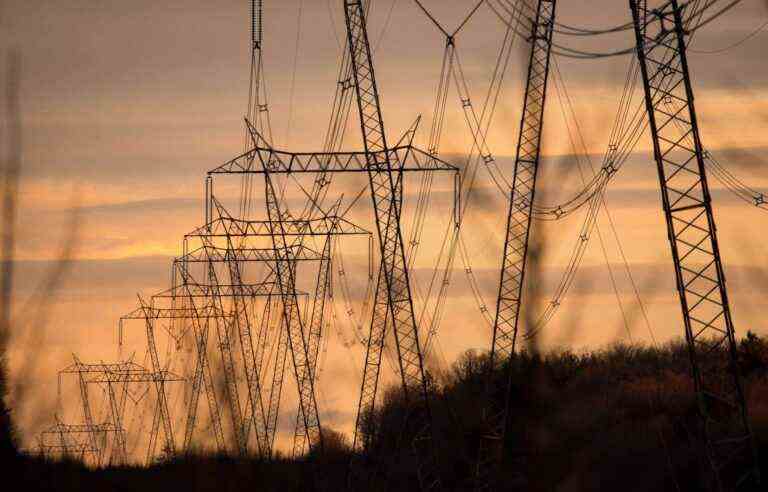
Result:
[613,419]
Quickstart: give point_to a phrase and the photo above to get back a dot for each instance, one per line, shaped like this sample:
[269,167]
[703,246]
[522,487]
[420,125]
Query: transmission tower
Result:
[314,337]
[117,377]
[328,227]
[262,158]
[361,441]
[519,218]
[286,278]
[87,414]
[74,440]
[723,422]
[223,242]
[184,307]
[243,324]
[386,191]
[162,401]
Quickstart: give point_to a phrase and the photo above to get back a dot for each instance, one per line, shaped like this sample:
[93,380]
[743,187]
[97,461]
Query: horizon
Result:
[120,129]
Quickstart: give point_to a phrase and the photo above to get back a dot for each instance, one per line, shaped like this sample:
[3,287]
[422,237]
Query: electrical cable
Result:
[569,52]
[729,47]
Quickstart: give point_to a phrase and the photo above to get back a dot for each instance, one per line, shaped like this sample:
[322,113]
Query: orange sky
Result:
[127,104]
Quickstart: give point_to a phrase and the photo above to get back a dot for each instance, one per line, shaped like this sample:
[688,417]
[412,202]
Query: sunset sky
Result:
[126,105]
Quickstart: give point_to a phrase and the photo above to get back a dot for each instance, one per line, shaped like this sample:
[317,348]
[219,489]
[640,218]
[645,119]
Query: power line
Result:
[733,45]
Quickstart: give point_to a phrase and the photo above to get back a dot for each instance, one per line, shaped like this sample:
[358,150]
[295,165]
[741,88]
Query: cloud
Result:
[144,207]
[89,278]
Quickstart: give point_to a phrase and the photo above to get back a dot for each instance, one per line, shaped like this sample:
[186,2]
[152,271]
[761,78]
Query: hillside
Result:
[613,419]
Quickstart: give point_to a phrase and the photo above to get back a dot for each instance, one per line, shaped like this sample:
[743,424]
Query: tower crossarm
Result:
[80,428]
[208,254]
[147,377]
[259,160]
[75,439]
[176,313]
[125,367]
[260,289]
[329,225]
[118,372]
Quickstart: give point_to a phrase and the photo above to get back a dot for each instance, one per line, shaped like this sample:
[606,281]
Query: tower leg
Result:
[726,437]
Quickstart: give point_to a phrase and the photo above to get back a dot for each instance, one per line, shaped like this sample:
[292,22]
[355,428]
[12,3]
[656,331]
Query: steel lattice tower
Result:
[404,157]
[74,440]
[386,191]
[687,204]
[374,347]
[199,318]
[293,324]
[519,220]
[314,337]
[162,401]
[115,377]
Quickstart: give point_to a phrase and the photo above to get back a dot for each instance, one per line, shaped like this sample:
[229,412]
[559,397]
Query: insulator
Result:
[257,18]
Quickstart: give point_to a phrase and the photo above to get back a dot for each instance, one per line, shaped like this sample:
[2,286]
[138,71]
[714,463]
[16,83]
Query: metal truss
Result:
[196,306]
[111,375]
[293,323]
[223,328]
[387,195]
[362,442]
[205,291]
[243,324]
[278,376]
[518,229]
[329,225]
[200,319]
[224,226]
[118,372]
[314,337]
[75,440]
[162,401]
[261,160]
[208,290]
[223,240]
[212,254]
[87,414]
[201,306]
[185,308]
[727,439]
[175,313]
[279,227]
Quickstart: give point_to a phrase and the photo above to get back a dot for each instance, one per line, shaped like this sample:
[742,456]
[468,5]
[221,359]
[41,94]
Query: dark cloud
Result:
[749,159]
